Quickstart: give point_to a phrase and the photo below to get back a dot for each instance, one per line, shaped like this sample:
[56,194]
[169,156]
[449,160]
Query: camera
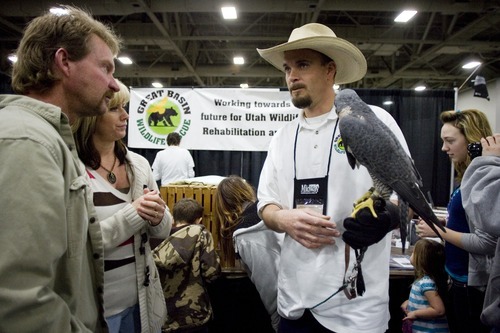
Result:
[475,149]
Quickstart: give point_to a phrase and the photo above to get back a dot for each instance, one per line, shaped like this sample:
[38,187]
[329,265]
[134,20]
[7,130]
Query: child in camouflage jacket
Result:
[187,260]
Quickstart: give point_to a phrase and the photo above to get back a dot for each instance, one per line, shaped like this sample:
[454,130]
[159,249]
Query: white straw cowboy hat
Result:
[351,64]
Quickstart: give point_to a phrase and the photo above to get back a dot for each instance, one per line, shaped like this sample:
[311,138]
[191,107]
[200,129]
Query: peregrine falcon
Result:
[369,142]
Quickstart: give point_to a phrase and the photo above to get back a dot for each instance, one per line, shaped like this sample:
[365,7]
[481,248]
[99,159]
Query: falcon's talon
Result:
[367,203]
[365,196]
[367,200]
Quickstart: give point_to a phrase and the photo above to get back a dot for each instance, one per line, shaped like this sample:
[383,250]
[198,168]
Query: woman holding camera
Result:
[466,248]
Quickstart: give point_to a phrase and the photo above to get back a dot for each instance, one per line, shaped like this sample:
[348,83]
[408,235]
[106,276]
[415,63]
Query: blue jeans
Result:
[127,321]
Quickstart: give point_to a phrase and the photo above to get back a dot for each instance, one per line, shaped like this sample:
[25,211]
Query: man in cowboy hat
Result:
[307,189]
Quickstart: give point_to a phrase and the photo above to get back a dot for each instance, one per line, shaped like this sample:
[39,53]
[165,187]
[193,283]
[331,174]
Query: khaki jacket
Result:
[51,262]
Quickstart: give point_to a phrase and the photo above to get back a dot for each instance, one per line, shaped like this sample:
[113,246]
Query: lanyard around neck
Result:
[295,150]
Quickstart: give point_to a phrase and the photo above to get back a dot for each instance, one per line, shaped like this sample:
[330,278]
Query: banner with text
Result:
[208,118]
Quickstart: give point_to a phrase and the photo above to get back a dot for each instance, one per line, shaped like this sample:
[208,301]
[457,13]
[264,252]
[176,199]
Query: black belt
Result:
[113,264]
[458,283]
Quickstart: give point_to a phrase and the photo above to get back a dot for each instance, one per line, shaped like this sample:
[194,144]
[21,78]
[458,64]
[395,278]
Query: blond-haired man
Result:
[51,268]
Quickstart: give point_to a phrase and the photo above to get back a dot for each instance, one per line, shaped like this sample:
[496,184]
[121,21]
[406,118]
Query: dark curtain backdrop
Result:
[417,113]
[5,84]
[222,163]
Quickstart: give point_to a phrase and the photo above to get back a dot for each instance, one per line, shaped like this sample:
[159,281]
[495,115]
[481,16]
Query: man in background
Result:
[173,163]
[51,267]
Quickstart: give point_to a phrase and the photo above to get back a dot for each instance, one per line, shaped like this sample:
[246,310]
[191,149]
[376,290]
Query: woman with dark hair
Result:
[235,207]
[130,210]
[245,236]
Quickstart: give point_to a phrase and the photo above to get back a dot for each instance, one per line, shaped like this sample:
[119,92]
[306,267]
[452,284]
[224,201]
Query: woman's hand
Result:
[491,145]
[423,230]
[150,206]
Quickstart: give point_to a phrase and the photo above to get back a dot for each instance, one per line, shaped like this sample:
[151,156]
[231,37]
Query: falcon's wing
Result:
[376,147]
